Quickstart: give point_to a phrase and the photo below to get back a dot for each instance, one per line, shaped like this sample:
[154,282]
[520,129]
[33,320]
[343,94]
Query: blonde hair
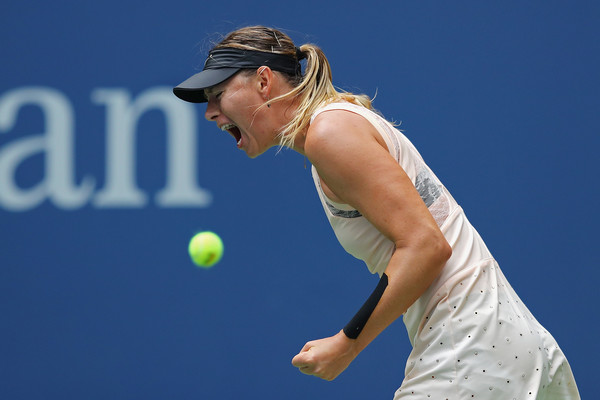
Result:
[312,89]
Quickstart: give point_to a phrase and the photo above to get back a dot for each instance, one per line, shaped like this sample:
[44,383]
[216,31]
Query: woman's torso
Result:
[361,239]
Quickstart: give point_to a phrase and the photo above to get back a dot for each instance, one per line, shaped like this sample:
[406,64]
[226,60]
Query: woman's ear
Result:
[265,77]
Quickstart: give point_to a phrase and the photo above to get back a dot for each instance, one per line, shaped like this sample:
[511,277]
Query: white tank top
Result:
[361,239]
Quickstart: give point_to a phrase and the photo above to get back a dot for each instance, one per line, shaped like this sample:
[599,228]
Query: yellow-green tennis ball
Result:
[206,249]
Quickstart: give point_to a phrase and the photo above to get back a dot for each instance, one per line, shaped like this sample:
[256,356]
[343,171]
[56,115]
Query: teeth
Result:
[227,127]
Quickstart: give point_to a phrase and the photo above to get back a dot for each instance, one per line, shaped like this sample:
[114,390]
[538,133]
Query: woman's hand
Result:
[326,358]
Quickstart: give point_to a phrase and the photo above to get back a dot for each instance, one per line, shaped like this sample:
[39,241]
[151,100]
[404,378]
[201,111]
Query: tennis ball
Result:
[206,249]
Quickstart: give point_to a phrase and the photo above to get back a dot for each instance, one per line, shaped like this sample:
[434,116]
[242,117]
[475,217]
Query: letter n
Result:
[181,188]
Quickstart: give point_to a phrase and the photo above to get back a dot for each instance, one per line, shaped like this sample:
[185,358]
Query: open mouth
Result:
[233,131]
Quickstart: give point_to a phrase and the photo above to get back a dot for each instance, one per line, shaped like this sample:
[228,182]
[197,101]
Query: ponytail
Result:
[314,91]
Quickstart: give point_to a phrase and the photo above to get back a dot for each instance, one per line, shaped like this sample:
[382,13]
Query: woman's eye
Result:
[213,94]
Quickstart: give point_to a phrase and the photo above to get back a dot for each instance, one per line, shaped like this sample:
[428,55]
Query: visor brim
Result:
[192,89]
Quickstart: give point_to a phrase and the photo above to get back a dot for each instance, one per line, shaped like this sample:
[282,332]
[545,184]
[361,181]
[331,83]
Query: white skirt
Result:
[479,341]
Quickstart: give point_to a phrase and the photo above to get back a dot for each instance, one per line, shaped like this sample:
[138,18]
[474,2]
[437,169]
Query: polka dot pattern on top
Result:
[479,341]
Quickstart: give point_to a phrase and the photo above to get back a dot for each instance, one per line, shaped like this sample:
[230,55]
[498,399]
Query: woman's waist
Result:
[468,252]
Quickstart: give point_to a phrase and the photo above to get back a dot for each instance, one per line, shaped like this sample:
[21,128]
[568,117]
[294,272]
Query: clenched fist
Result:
[326,358]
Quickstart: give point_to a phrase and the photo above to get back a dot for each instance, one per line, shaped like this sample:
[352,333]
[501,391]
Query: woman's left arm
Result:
[356,168]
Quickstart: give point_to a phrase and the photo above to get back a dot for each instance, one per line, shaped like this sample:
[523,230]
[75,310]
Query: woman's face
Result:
[233,105]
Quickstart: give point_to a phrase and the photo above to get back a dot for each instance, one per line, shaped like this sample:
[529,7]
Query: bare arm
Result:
[356,169]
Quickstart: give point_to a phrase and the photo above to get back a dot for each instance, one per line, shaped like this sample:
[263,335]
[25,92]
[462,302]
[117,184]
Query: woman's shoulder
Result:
[342,106]
[337,126]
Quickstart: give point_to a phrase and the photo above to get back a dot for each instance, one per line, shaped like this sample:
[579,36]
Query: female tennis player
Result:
[472,336]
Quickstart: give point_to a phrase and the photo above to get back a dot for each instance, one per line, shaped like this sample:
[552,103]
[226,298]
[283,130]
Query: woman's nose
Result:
[212,111]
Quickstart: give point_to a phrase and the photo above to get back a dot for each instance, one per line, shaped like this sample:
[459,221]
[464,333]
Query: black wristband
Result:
[358,322]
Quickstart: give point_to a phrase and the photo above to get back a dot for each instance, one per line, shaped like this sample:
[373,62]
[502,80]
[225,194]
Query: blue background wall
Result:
[98,298]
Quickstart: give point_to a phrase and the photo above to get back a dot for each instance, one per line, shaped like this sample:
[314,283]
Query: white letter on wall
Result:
[56,142]
[181,188]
